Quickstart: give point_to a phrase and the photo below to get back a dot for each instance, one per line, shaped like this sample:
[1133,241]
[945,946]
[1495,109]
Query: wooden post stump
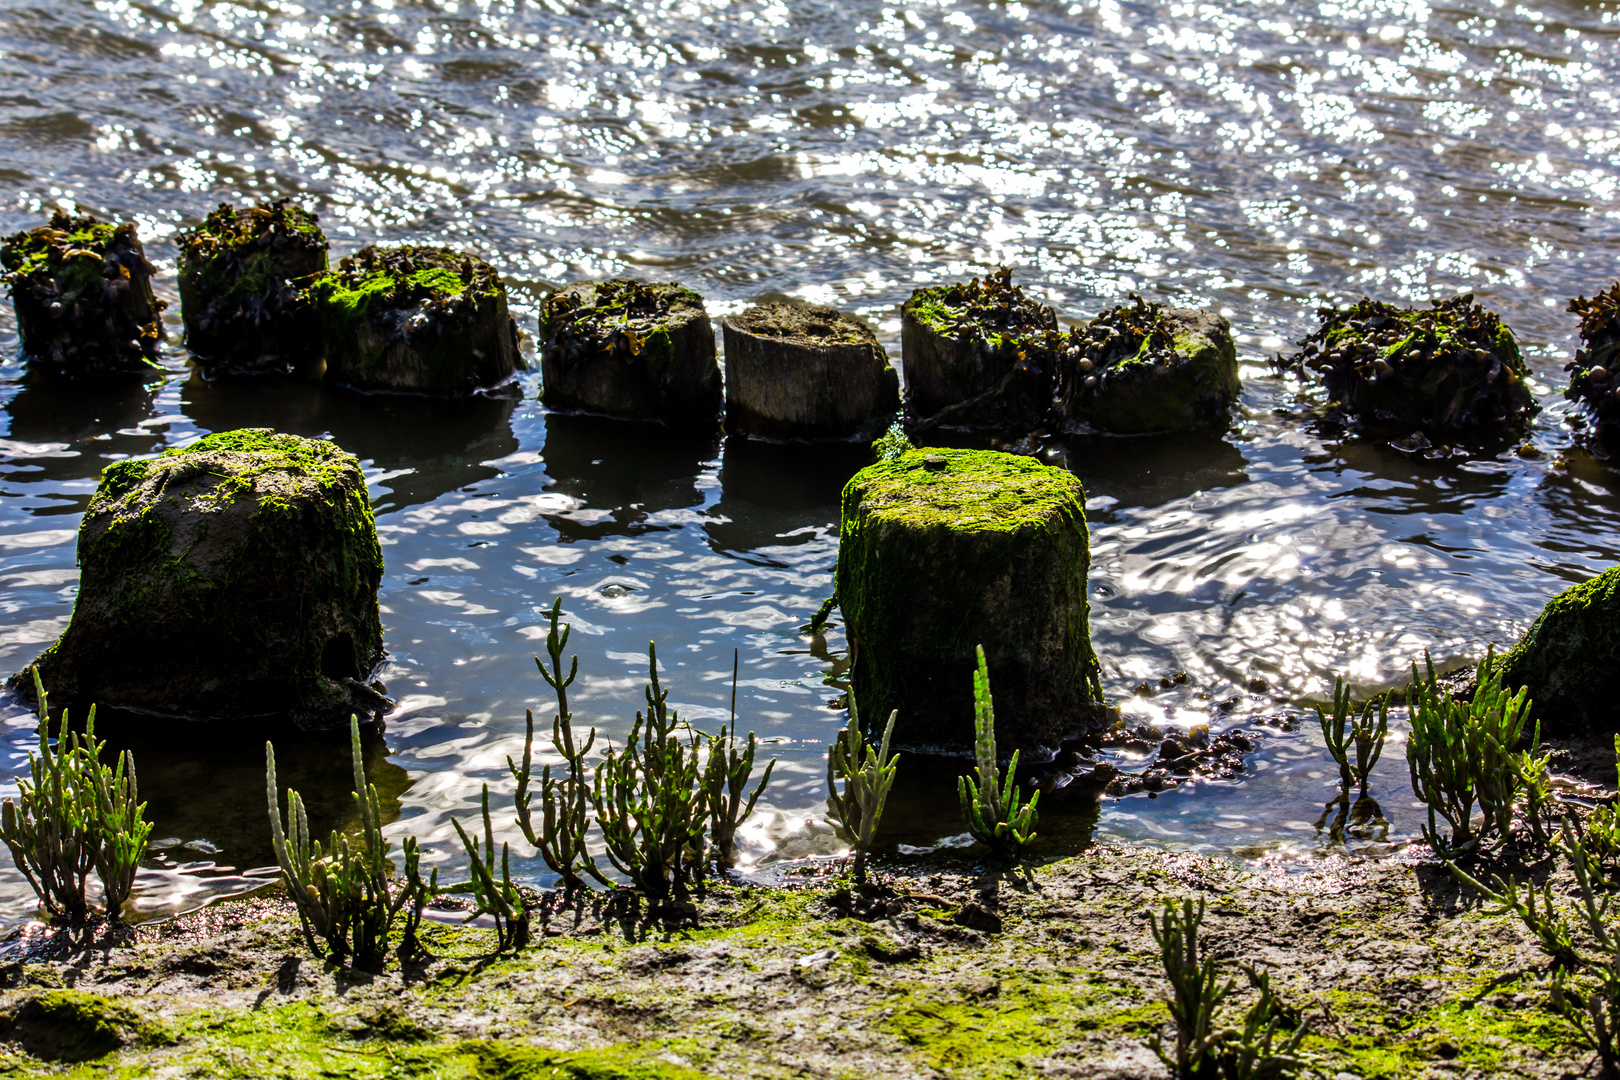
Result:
[417,320]
[944,550]
[631,349]
[83,293]
[796,371]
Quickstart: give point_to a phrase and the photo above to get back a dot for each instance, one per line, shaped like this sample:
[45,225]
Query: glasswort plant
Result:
[867,776]
[1346,730]
[493,895]
[341,891]
[995,812]
[75,815]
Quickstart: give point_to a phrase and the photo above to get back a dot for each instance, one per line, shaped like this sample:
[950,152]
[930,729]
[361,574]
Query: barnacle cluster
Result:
[1122,340]
[1146,366]
[993,311]
[616,318]
[241,277]
[1450,369]
[1594,374]
[83,294]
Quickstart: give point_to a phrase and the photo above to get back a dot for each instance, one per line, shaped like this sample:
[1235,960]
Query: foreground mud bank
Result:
[1050,974]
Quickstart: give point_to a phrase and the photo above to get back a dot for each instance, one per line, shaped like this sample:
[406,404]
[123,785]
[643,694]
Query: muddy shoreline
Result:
[1050,972]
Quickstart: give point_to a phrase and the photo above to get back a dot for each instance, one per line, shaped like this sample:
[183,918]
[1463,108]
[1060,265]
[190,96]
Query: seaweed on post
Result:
[493,895]
[867,776]
[341,890]
[649,798]
[1594,373]
[565,799]
[995,812]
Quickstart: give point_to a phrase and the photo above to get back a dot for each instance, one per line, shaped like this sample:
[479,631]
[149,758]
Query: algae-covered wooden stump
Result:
[241,288]
[416,320]
[83,293]
[797,371]
[1594,374]
[233,578]
[1146,367]
[943,550]
[632,349]
[979,355]
[1570,658]
[1452,369]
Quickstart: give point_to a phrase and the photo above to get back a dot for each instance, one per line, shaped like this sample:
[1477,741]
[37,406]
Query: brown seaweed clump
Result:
[241,289]
[980,354]
[1451,370]
[83,293]
[1594,374]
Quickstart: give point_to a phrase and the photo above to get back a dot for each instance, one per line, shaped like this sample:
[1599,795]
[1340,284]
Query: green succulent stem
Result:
[994,809]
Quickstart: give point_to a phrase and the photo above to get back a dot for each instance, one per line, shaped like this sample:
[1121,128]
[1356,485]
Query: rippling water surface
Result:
[1262,157]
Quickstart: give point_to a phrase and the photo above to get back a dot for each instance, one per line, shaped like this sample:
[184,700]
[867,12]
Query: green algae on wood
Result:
[417,320]
[979,354]
[82,289]
[1452,369]
[631,349]
[1569,656]
[801,371]
[241,277]
[943,550]
[1594,374]
[232,578]
[1147,367]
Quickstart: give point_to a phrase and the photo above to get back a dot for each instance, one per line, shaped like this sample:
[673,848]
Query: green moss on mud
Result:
[73,1025]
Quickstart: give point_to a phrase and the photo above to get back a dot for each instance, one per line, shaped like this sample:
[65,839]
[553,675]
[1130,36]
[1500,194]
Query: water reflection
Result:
[425,447]
[63,431]
[631,474]
[779,493]
[1147,471]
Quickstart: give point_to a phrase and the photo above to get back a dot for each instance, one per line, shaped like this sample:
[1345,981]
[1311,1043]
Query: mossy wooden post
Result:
[943,550]
[798,371]
[415,320]
[632,349]
[1146,367]
[1570,656]
[1452,369]
[235,578]
[83,293]
[241,288]
[979,354]
[1594,374]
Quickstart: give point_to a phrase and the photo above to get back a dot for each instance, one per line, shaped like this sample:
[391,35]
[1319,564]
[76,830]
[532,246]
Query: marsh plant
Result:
[858,781]
[1345,731]
[995,811]
[1584,947]
[1205,1047]
[1460,754]
[75,815]
[667,805]
[490,887]
[342,890]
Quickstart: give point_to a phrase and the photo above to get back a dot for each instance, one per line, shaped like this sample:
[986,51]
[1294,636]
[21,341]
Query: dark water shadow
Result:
[779,493]
[205,781]
[431,445]
[627,471]
[1147,471]
[77,426]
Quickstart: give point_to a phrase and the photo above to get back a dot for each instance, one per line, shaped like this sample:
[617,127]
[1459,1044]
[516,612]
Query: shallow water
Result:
[1261,157]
